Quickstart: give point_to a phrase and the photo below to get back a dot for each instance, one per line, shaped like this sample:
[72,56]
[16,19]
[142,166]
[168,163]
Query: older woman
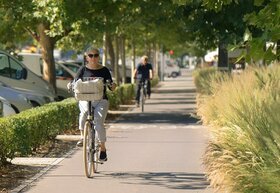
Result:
[94,69]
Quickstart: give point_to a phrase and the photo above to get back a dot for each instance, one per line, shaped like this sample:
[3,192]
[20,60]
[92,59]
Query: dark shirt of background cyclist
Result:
[143,71]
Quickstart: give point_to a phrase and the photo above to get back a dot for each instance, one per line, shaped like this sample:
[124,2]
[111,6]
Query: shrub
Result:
[20,134]
[125,93]
[122,95]
[205,77]
[155,81]
[24,132]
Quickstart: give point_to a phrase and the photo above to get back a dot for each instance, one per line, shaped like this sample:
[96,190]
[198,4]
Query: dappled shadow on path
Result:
[178,97]
[171,180]
[174,91]
[164,118]
[169,102]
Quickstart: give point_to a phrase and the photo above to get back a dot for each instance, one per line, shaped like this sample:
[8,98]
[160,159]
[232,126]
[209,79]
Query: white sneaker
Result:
[80,143]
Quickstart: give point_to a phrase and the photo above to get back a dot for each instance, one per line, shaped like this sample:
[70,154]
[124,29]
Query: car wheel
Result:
[15,108]
[174,74]
[35,104]
[60,98]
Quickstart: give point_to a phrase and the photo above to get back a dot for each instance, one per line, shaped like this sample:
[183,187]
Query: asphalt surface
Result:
[158,151]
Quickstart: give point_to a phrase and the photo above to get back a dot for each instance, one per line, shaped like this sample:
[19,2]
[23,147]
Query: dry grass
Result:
[243,114]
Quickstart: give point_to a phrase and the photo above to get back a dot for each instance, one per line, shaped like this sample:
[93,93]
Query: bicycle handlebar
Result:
[70,85]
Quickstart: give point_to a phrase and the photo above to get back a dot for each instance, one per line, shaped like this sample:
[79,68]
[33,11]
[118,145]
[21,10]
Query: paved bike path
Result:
[158,151]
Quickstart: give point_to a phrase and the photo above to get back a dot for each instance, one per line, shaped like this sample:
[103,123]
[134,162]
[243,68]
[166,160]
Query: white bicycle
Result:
[90,89]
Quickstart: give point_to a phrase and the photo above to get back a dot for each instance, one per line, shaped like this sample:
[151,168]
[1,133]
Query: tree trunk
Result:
[264,50]
[154,57]
[278,50]
[133,61]
[223,57]
[116,65]
[104,57]
[149,53]
[156,60]
[47,44]
[122,39]
[111,52]
[161,69]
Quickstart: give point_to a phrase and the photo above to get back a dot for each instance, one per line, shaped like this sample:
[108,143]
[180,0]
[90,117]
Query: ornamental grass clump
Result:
[204,78]
[244,118]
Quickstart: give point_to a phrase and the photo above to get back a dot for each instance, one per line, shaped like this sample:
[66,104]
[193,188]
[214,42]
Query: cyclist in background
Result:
[92,68]
[144,71]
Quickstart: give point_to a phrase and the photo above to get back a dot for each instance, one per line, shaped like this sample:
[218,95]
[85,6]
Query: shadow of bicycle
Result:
[170,180]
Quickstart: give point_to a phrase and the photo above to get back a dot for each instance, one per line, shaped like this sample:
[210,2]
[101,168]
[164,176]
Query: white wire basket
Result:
[89,90]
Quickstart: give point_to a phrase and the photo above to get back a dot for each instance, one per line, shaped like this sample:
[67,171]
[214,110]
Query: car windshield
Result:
[72,67]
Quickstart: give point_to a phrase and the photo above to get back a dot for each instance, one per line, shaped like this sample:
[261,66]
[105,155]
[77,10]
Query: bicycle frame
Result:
[91,144]
[143,93]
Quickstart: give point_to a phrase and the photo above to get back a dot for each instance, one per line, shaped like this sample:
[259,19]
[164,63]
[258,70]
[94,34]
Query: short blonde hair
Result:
[144,58]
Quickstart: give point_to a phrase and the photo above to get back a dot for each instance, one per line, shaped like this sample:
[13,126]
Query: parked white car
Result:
[5,108]
[16,75]
[72,68]
[172,70]
[65,72]
[64,75]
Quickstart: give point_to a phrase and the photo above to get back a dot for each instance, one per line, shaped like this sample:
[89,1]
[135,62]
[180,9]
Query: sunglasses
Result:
[93,55]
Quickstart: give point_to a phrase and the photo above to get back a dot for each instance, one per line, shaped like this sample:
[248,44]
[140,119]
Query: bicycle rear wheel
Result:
[88,149]
[142,100]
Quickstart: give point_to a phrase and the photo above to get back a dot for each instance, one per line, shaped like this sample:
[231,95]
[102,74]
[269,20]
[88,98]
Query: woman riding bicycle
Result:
[92,68]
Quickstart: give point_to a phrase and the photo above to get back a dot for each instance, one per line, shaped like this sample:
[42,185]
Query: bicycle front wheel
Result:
[96,155]
[88,149]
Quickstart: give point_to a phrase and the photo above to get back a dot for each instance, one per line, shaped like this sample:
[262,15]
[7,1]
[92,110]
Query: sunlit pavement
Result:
[157,151]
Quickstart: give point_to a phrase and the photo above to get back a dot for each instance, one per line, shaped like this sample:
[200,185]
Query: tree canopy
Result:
[185,26]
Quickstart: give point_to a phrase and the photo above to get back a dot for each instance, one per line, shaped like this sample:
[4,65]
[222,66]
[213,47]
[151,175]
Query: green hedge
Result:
[154,81]
[243,115]
[122,95]
[24,132]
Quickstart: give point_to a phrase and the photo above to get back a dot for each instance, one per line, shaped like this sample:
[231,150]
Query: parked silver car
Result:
[36,99]
[1,109]
[17,99]
[6,108]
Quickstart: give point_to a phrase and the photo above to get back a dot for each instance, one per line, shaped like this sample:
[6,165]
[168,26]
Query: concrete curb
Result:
[41,173]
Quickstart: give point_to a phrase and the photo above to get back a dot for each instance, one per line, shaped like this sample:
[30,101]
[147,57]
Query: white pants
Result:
[100,113]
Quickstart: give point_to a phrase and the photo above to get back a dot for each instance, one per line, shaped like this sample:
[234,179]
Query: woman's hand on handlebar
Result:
[70,86]
[113,86]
